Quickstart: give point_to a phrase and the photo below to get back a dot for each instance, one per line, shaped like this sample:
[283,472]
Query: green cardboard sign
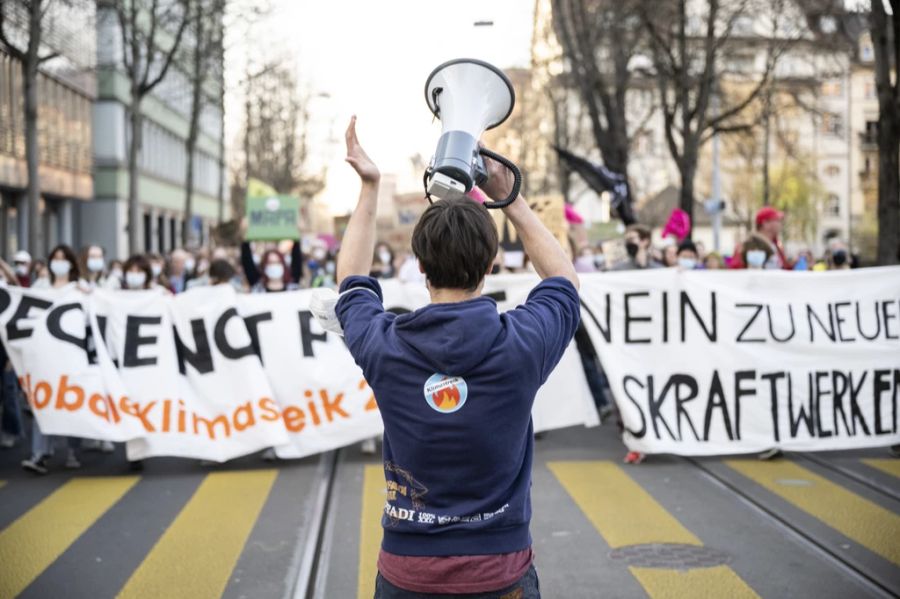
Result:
[273,217]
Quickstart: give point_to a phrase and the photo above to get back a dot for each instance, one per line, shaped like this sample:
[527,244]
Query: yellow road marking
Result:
[36,539]
[197,553]
[625,514]
[889,465]
[370,529]
[867,523]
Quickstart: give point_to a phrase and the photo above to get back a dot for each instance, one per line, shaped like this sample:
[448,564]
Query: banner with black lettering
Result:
[214,374]
[715,362]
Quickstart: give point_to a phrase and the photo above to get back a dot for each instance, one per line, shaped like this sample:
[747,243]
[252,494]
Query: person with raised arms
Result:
[455,382]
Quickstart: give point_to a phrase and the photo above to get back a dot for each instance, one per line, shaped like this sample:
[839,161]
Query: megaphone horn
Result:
[469,96]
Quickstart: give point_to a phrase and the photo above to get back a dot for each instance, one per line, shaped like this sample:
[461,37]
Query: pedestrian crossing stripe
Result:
[889,465]
[34,541]
[872,526]
[625,514]
[198,551]
[373,497]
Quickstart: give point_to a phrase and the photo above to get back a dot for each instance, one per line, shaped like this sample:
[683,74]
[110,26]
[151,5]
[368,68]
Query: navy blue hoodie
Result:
[455,384]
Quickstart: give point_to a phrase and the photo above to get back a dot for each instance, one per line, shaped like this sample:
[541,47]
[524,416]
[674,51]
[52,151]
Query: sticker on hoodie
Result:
[446,394]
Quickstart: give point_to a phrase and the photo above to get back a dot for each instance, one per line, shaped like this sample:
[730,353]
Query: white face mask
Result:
[135,280]
[274,271]
[116,273]
[60,268]
[156,269]
[21,269]
[384,256]
[599,260]
[584,263]
[189,265]
[687,263]
[95,264]
[318,255]
[329,268]
[756,258]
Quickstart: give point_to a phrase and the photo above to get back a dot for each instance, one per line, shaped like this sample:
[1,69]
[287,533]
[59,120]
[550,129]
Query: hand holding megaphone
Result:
[469,96]
[501,179]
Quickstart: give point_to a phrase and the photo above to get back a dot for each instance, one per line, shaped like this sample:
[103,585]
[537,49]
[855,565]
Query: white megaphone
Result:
[469,96]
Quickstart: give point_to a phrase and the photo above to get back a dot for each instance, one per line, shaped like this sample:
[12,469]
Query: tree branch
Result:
[171,53]
[13,50]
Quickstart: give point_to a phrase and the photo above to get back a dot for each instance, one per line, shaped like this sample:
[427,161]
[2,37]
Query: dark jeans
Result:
[11,422]
[528,587]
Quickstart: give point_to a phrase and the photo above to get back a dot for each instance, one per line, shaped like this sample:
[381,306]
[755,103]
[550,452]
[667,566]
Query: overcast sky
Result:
[371,58]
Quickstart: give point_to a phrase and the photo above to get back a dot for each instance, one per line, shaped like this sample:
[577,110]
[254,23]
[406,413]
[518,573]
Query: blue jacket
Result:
[455,384]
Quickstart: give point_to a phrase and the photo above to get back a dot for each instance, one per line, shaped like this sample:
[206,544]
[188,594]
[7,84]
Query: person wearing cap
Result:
[22,266]
[769,223]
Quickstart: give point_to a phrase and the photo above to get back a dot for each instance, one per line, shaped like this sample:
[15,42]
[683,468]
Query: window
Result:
[869,90]
[832,124]
[833,205]
[832,170]
[867,52]
[832,88]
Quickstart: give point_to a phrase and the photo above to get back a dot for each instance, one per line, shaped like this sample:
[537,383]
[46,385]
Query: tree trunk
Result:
[888,131]
[32,160]
[134,150]
[687,168]
[30,63]
[888,189]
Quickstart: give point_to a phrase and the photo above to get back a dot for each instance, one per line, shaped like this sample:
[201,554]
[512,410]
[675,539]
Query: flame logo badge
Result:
[445,394]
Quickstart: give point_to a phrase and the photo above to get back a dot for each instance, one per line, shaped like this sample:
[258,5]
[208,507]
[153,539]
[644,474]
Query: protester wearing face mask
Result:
[713,261]
[756,252]
[180,271]
[22,267]
[254,267]
[383,264]
[584,261]
[63,267]
[138,273]
[93,266]
[39,275]
[274,276]
[687,255]
[64,270]
[637,245]
[325,275]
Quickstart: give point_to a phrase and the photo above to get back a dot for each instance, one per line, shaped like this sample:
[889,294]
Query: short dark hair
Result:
[455,241]
[220,271]
[687,246]
[643,231]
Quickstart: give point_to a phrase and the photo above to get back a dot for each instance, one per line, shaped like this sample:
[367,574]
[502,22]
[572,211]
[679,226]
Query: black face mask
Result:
[495,269]
[839,257]
[632,248]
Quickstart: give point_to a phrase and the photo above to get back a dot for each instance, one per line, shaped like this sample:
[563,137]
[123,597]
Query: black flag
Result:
[600,179]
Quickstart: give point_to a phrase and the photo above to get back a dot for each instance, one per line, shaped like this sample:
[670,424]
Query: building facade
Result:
[66,88]
[163,157]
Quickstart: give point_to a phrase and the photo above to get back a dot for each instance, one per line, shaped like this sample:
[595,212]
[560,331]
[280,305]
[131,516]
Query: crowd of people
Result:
[761,249]
[266,267]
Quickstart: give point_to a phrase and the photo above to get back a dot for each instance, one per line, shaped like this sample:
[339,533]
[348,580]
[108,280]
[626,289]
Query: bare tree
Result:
[687,51]
[886,41]
[275,144]
[151,33]
[204,59]
[599,39]
[30,58]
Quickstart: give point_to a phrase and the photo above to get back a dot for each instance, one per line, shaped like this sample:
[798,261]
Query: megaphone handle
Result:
[517,182]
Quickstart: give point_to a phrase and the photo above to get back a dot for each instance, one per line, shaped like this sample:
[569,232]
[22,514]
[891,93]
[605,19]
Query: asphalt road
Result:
[813,525]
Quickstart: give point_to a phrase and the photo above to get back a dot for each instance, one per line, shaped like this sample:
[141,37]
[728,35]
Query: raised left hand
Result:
[358,158]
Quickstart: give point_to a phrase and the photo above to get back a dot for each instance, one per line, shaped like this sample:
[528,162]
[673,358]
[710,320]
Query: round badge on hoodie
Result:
[446,394]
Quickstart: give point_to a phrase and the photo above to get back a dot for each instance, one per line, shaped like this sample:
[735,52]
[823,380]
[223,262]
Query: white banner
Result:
[721,362]
[214,374]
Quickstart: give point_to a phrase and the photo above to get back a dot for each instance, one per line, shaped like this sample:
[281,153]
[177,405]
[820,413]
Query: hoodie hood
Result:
[452,338]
